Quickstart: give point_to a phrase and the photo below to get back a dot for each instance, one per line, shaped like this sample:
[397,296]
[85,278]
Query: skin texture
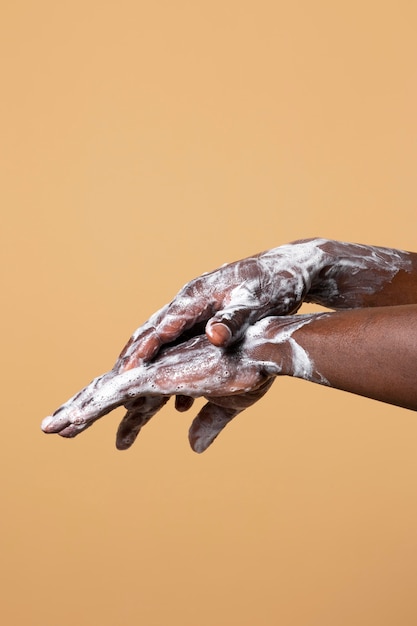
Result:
[366,345]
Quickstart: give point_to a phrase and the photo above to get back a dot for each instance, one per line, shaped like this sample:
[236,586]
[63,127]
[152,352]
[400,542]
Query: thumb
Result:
[229,325]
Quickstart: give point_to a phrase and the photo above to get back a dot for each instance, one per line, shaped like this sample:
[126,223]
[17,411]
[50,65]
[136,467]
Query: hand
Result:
[231,298]
[334,274]
[231,379]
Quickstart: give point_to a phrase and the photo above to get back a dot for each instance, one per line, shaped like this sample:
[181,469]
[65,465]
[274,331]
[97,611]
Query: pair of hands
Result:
[171,355]
[212,339]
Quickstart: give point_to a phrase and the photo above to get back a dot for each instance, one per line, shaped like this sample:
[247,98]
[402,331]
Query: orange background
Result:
[143,143]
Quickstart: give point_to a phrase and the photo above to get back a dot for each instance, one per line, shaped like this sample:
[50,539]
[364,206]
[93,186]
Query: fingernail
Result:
[219,334]
[46,423]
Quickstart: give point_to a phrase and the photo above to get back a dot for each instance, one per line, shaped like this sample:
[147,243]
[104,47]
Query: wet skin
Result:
[366,345]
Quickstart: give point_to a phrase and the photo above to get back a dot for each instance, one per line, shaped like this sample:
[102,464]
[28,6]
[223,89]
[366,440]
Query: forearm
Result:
[370,352]
[350,275]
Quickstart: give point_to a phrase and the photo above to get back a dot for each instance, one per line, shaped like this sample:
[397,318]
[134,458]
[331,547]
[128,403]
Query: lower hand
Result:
[231,379]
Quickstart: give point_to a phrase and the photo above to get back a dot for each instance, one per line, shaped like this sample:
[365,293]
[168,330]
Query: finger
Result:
[143,344]
[68,412]
[194,304]
[140,411]
[100,397]
[183,403]
[229,325]
[208,424]
[214,417]
[146,345]
[73,430]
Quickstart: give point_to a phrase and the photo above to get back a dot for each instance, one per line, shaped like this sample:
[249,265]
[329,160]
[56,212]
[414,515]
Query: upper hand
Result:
[231,298]
[334,274]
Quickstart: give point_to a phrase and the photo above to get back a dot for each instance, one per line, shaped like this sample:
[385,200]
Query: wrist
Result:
[275,343]
[356,275]
[293,268]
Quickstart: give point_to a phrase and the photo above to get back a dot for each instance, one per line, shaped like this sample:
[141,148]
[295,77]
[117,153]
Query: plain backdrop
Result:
[141,144]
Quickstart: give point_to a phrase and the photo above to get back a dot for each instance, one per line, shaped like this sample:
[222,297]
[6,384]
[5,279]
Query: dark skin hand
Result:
[369,351]
[334,274]
[196,367]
